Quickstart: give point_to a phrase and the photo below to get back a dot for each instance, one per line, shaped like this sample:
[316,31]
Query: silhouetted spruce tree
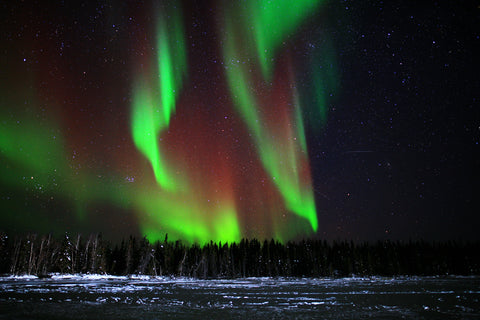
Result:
[64,257]
[132,255]
[145,255]
[180,257]
[234,253]
[159,258]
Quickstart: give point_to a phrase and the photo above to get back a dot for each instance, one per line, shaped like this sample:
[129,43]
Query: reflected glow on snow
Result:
[376,297]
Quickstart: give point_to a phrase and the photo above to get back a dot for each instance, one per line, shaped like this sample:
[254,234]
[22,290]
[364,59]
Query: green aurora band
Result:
[322,82]
[265,24]
[172,208]
[34,159]
[280,157]
[185,217]
[152,108]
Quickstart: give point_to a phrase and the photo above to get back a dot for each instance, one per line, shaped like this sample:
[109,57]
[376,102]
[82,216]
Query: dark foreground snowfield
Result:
[105,297]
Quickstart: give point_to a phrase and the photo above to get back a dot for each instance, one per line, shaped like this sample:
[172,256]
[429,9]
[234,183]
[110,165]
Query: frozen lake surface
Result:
[108,297]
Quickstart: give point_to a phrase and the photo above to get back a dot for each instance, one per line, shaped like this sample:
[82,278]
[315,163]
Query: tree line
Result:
[42,255]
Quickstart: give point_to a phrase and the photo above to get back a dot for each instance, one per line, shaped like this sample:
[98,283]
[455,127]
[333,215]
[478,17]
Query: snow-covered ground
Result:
[146,297]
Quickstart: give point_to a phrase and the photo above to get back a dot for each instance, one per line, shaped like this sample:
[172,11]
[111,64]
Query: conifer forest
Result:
[42,255]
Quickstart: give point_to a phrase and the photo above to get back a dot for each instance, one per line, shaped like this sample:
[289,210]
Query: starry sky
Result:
[212,120]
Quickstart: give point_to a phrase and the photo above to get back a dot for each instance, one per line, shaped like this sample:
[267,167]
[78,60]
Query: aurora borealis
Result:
[211,120]
[197,191]
[274,124]
[154,106]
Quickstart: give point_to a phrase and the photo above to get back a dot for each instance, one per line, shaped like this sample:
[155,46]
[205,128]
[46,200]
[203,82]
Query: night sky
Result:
[217,120]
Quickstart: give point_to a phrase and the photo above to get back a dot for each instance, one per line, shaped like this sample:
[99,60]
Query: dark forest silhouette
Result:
[42,255]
